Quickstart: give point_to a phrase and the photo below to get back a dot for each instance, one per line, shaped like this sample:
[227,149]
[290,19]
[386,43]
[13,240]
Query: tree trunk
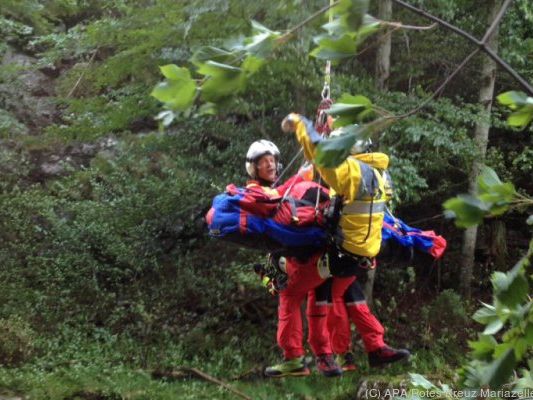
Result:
[481,137]
[382,73]
[382,70]
[498,245]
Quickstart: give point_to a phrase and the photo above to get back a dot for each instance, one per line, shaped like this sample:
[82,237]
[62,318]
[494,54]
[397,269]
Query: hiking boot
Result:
[327,366]
[386,355]
[293,367]
[346,361]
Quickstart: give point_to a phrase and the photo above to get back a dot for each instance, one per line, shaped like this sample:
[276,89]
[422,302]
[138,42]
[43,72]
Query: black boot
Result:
[386,355]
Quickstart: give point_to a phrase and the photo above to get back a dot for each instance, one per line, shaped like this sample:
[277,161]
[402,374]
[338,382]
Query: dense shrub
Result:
[17,341]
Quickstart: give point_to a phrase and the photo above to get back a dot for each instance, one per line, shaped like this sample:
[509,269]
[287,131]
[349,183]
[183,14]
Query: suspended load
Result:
[250,217]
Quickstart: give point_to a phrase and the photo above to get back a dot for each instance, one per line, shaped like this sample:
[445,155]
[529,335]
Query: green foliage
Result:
[507,339]
[10,126]
[17,341]
[430,152]
[333,151]
[494,199]
[522,107]
[349,27]
[444,335]
[226,71]
[13,31]
[109,262]
[495,357]
[179,90]
[350,109]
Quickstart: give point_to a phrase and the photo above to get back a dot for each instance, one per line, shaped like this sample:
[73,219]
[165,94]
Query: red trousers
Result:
[303,278]
[349,304]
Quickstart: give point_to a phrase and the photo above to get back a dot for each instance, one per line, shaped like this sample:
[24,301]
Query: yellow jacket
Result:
[361,187]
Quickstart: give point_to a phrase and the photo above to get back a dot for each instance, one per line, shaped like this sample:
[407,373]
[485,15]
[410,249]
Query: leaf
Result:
[335,49]
[512,98]
[351,12]
[207,109]
[251,64]
[339,109]
[506,190]
[529,333]
[178,91]
[525,382]
[493,327]
[213,68]
[218,87]
[498,372]
[257,27]
[511,288]
[521,118]
[466,209]
[334,27]
[421,381]
[225,80]
[485,314]
[263,42]
[355,99]
[520,348]
[530,220]
[483,348]
[488,178]
[175,73]
[176,95]
[348,109]
[521,104]
[210,53]
[370,25]
[332,152]
[166,117]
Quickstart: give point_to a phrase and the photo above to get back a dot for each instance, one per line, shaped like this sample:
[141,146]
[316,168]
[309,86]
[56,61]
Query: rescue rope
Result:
[287,167]
[321,122]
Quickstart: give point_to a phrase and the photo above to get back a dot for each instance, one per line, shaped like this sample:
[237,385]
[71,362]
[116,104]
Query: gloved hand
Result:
[266,280]
[289,123]
[306,171]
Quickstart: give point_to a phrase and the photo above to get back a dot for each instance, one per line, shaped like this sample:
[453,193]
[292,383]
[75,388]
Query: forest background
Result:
[109,287]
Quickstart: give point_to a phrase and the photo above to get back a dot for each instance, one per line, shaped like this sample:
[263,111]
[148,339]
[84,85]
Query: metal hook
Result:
[325,92]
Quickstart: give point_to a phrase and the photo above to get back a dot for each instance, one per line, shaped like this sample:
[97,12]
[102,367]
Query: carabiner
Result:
[325,92]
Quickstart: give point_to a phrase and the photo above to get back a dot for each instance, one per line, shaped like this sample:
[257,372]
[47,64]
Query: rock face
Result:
[29,95]
[27,104]
[64,159]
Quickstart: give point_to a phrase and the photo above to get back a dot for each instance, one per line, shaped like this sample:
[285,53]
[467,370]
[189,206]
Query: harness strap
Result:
[294,214]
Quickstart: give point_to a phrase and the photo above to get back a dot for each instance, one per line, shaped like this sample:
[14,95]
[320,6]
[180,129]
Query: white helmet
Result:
[257,150]
[360,145]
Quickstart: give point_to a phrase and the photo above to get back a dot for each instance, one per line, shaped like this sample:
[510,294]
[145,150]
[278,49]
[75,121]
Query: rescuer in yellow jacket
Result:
[364,193]
[360,185]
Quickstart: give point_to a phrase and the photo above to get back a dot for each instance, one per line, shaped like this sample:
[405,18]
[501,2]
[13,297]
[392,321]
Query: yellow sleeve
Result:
[345,178]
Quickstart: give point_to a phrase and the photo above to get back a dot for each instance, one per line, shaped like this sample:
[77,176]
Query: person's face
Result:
[266,168]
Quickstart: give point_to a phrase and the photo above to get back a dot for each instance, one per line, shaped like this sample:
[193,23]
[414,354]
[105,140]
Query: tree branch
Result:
[412,27]
[71,92]
[441,87]
[182,372]
[427,15]
[482,44]
[496,21]
[286,35]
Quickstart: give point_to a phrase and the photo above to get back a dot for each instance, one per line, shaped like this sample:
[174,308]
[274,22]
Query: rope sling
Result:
[321,125]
